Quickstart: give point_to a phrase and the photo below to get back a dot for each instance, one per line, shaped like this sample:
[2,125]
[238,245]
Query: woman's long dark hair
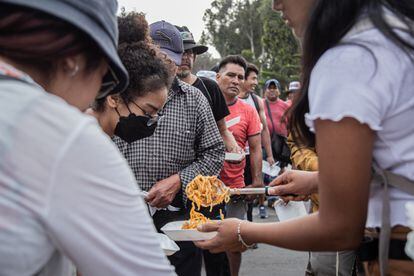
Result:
[329,22]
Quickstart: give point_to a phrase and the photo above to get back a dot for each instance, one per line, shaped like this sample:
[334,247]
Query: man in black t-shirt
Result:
[208,87]
[212,92]
[215,264]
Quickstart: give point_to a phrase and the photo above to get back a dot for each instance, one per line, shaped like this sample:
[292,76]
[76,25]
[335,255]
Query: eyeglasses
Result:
[188,52]
[151,118]
[109,82]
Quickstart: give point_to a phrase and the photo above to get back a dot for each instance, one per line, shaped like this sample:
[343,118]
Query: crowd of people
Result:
[96,108]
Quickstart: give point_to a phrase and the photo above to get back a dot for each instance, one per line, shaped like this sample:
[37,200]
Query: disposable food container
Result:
[173,231]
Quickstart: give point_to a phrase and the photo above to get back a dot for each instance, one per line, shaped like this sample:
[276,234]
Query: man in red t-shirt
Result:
[230,77]
[277,107]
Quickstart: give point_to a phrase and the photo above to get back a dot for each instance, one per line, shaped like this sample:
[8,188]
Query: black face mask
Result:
[133,128]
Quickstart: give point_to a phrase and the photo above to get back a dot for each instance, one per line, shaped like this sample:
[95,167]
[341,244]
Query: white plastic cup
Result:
[291,210]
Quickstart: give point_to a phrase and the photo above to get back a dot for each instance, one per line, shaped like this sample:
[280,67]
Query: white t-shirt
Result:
[249,100]
[348,82]
[66,190]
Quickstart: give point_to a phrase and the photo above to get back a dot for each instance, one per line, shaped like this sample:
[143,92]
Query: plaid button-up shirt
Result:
[186,141]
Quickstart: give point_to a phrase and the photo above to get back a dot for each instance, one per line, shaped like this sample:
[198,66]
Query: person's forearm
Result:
[343,187]
[314,183]
[266,142]
[229,141]
[228,138]
[256,164]
[309,233]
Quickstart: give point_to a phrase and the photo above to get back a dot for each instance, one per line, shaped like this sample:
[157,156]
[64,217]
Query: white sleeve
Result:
[351,81]
[94,214]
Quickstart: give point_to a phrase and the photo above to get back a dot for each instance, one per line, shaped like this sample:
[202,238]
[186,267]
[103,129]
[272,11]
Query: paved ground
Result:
[272,261]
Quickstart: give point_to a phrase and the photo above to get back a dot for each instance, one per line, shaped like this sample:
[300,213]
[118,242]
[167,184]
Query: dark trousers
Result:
[248,180]
[215,264]
[187,261]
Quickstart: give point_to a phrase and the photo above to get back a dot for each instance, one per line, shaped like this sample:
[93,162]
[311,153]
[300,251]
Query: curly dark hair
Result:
[147,68]
[132,27]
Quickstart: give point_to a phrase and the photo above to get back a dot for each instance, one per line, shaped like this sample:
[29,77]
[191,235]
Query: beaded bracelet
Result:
[240,237]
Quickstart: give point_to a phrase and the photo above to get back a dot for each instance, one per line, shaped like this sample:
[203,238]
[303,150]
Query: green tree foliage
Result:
[251,28]
[204,62]
[281,57]
[232,27]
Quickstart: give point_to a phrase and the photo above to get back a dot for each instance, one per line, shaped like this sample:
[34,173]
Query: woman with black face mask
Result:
[133,114]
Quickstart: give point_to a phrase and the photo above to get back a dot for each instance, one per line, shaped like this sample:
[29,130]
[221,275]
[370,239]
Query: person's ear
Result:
[70,65]
[112,101]
[218,76]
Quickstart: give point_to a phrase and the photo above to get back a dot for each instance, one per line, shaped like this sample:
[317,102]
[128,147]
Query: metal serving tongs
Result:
[243,191]
[250,191]
[254,191]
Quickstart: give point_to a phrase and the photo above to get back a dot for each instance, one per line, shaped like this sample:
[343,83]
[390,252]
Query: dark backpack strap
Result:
[255,101]
[270,115]
[206,93]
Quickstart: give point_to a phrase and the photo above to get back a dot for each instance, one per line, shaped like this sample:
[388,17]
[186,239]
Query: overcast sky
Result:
[178,12]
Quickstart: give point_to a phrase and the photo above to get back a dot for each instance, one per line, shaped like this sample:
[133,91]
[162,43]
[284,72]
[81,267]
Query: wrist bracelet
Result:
[240,237]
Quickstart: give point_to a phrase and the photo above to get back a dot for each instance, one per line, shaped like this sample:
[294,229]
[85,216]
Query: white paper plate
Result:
[174,231]
[270,170]
[294,209]
[232,156]
[168,245]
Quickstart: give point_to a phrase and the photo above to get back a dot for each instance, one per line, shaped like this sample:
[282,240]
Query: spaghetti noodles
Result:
[196,219]
[206,191]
